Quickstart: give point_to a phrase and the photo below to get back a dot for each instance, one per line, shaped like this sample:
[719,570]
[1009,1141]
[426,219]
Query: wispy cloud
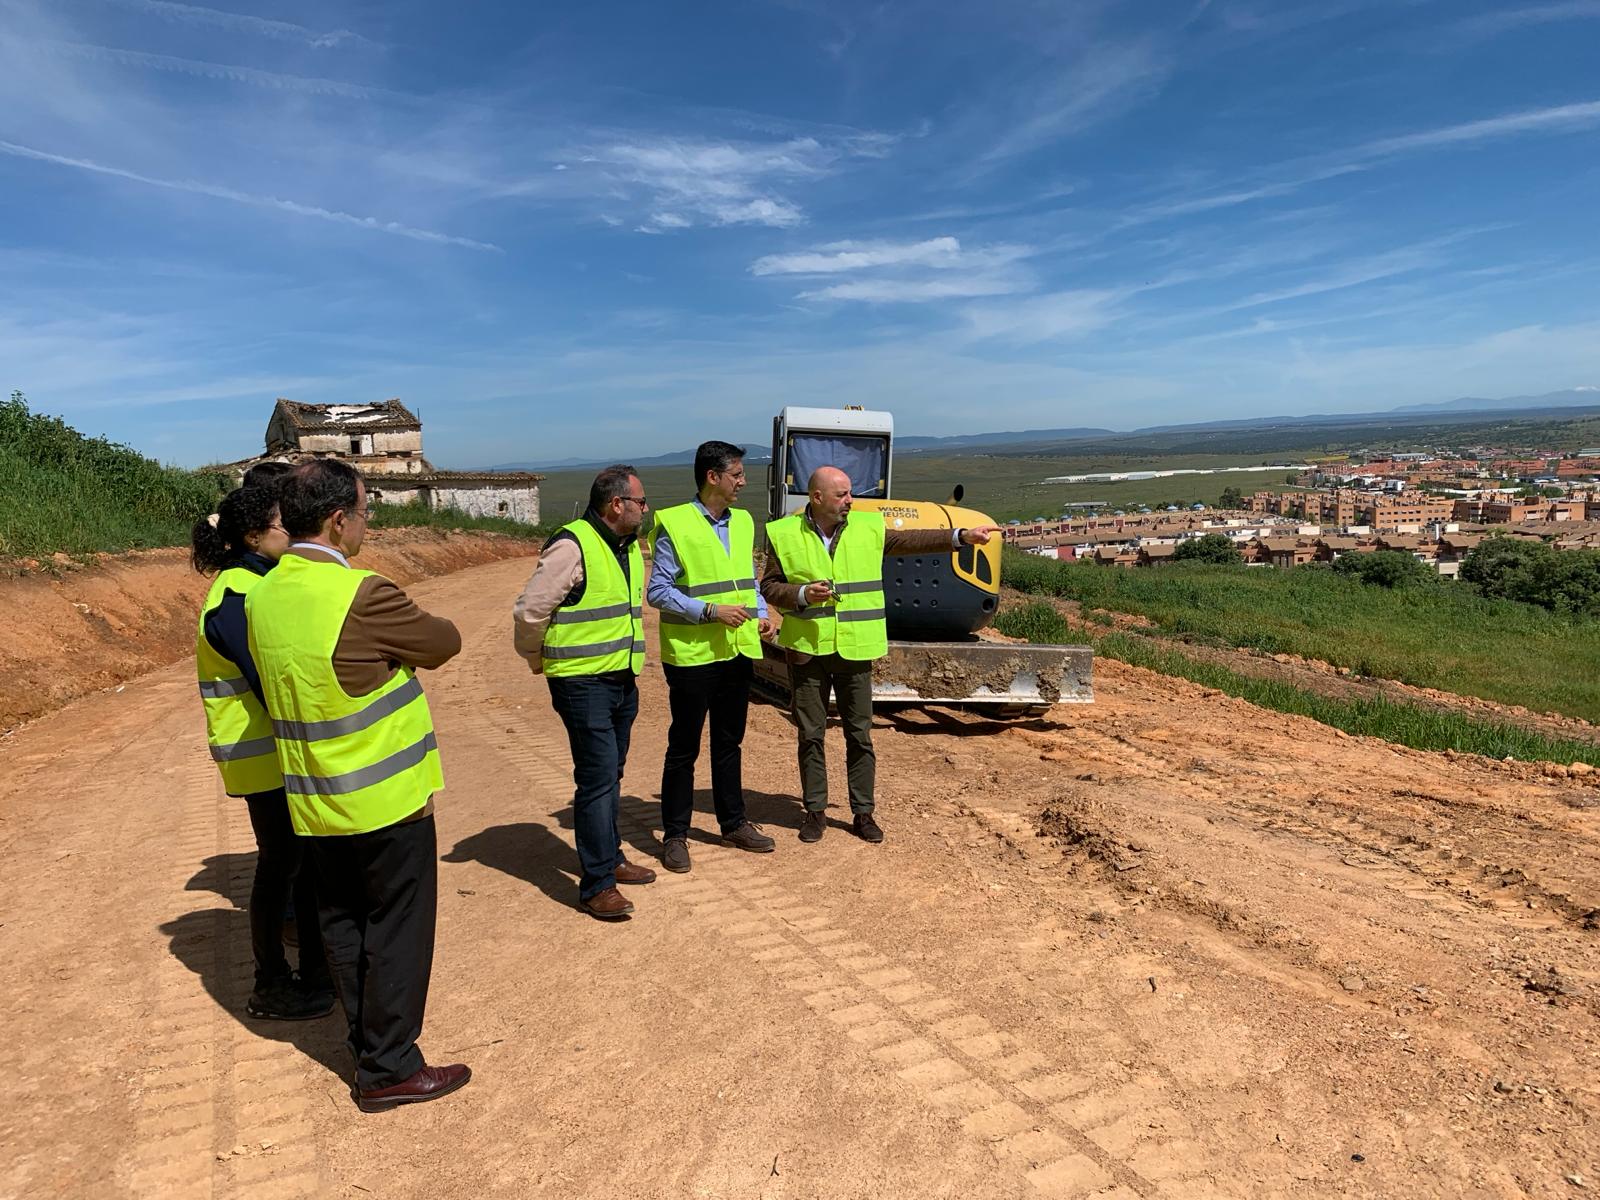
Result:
[904,272]
[1100,84]
[686,182]
[1054,316]
[915,291]
[941,253]
[223,72]
[1491,23]
[1293,177]
[285,31]
[218,192]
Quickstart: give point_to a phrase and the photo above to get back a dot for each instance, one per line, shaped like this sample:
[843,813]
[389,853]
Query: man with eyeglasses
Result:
[580,623]
[338,650]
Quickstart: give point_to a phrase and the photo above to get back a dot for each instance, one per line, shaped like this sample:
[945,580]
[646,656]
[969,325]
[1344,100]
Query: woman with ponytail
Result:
[240,543]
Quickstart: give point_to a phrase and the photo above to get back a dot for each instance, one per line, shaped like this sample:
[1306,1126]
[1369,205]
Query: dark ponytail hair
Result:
[245,510]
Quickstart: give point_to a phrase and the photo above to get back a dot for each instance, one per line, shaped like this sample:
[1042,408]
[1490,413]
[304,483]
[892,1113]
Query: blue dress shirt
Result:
[663,591]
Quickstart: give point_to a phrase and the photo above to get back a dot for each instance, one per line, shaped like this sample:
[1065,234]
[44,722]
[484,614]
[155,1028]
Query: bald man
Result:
[824,573]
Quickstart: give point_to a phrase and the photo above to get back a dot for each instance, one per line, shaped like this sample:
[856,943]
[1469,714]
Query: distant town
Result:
[1435,506]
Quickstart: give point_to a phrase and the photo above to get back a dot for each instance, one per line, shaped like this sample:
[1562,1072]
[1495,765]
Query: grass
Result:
[417,515]
[1404,724]
[1441,635]
[1001,486]
[61,492]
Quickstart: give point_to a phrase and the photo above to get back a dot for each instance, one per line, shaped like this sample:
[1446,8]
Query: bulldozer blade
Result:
[980,672]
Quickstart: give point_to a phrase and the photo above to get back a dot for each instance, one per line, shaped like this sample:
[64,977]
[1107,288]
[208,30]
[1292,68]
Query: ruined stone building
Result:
[384,442]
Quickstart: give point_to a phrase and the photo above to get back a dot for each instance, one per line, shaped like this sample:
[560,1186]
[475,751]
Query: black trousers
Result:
[280,867]
[720,690]
[851,685]
[379,897]
[598,711]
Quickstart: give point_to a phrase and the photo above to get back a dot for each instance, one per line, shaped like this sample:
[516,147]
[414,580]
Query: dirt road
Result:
[1167,945]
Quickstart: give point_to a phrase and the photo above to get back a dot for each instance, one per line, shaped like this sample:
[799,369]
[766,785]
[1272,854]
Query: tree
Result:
[1211,548]
[1386,568]
[1231,498]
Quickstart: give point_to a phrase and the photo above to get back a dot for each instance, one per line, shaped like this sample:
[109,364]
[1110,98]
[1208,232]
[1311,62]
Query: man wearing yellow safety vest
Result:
[580,623]
[703,579]
[338,651]
[824,573]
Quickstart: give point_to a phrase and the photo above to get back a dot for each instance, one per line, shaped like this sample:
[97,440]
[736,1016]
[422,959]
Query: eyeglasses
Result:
[363,513]
[639,500]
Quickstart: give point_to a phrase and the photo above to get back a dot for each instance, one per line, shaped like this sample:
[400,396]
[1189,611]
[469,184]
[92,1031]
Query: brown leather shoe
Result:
[633,873]
[609,905]
[749,837]
[812,825]
[427,1084]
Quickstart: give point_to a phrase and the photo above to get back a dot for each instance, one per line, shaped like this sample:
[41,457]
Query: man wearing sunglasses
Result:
[580,623]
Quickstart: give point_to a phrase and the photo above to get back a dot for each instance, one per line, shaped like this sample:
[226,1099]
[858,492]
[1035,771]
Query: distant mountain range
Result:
[1572,397]
[1450,411]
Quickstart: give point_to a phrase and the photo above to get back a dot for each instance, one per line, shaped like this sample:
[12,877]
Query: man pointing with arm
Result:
[824,572]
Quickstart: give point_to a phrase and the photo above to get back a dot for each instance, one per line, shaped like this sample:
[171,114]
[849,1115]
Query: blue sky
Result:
[614,229]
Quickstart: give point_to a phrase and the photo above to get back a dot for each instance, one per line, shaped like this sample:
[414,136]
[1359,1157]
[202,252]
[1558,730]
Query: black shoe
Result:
[675,855]
[749,837]
[812,824]
[288,999]
[866,828]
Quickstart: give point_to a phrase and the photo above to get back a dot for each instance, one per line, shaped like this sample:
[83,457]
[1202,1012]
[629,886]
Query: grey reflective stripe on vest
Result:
[638,647]
[815,613]
[855,589]
[215,689]
[254,748]
[353,781]
[577,616]
[320,731]
[671,618]
[593,649]
[725,585]
[862,614]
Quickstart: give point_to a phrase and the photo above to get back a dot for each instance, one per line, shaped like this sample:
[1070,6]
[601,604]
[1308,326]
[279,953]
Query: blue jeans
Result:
[598,711]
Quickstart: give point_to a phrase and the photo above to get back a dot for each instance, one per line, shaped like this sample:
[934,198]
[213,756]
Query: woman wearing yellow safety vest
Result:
[239,544]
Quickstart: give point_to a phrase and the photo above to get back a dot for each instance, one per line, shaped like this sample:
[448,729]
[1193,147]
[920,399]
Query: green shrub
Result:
[1444,636]
[1387,568]
[1211,548]
[62,491]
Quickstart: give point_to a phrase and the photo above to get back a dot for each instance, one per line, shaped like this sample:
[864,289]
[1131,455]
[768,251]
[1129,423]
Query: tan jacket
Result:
[384,631]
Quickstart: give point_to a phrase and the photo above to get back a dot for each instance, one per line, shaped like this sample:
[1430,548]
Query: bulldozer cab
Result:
[858,442]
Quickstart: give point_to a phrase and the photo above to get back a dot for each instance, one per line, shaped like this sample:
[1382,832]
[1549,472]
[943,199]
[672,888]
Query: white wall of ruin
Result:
[396,441]
[519,503]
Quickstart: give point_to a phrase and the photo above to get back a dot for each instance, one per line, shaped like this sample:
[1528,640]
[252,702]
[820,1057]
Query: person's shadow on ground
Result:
[215,944]
[528,851]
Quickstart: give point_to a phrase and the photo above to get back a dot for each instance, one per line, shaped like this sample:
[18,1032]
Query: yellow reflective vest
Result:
[351,764]
[604,630]
[853,625]
[237,728]
[715,576]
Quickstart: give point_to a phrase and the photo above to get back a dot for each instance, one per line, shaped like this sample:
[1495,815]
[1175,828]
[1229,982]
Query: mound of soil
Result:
[74,629]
